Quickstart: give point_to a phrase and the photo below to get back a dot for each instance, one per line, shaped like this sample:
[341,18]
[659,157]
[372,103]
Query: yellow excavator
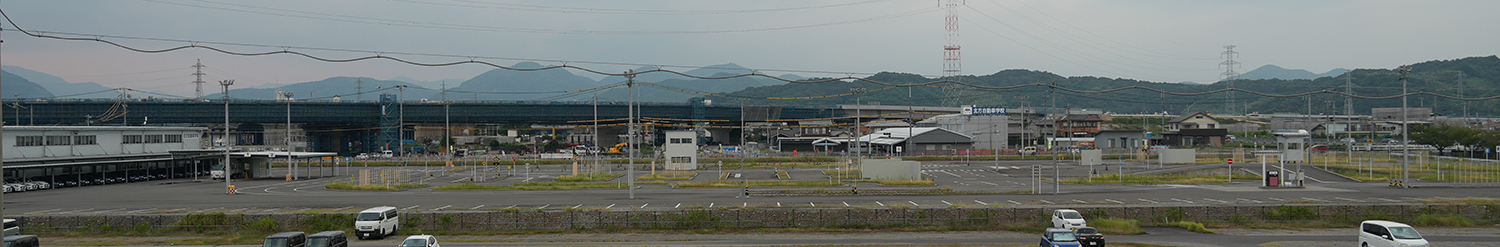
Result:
[618,148]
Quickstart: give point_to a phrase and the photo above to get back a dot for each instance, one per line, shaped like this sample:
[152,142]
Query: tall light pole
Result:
[1405,154]
[630,133]
[858,118]
[228,166]
[290,166]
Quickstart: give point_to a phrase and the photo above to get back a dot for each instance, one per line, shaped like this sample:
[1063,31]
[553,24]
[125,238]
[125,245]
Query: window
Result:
[682,159]
[682,140]
[59,140]
[133,139]
[28,141]
[174,138]
[85,140]
[153,138]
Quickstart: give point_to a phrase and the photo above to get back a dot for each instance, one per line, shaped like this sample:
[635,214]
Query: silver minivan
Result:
[1380,233]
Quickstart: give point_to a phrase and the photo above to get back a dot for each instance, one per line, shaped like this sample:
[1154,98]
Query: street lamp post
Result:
[228,166]
[1405,166]
[858,118]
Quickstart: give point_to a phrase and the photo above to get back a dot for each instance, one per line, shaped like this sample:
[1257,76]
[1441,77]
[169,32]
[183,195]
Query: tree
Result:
[1443,136]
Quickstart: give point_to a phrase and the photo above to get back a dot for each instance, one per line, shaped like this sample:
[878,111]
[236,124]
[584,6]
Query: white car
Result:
[1067,219]
[1380,233]
[420,241]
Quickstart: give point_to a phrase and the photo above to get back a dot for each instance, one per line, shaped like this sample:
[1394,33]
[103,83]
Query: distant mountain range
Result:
[18,87]
[1271,71]
[60,88]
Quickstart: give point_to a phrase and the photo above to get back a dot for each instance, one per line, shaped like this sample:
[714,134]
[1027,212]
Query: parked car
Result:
[286,239]
[1089,237]
[1055,237]
[1027,151]
[1380,233]
[1067,219]
[420,241]
[328,239]
[22,241]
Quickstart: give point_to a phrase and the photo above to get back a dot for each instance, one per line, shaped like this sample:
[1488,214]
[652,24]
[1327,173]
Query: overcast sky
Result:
[1165,41]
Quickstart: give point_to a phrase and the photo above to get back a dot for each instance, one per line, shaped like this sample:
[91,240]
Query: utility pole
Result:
[447,127]
[1405,132]
[401,120]
[228,166]
[630,133]
[1463,84]
[858,118]
[1349,102]
[198,72]
[290,166]
[1056,174]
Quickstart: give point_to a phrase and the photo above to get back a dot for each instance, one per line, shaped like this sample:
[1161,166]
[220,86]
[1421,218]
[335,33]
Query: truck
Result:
[619,148]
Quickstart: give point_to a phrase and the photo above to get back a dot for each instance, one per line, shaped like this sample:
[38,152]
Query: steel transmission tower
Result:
[952,60]
[1229,75]
[198,72]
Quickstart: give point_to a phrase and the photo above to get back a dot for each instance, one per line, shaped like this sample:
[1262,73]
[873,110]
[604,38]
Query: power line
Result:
[570,10]
[470,27]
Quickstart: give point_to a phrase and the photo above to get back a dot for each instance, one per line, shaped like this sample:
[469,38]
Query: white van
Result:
[376,222]
[12,227]
[1380,233]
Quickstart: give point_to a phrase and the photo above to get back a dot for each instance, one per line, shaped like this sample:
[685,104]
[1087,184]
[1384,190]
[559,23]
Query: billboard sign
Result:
[983,110]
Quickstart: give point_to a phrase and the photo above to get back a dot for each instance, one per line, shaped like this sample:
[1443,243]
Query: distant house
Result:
[1078,125]
[922,140]
[681,150]
[1120,139]
[1193,130]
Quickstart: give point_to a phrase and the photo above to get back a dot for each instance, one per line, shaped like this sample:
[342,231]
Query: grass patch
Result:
[1159,179]
[587,177]
[1192,226]
[1117,226]
[1443,221]
[899,182]
[852,173]
[668,175]
[756,183]
[374,187]
[534,186]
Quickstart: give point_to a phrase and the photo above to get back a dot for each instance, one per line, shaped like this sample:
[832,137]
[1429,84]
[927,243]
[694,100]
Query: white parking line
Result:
[206,210]
[913,203]
[1181,200]
[579,205]
[343,208]
[711,205]
[1313,199]
[1114,201]
[1277,199]
[881,204]
[510,207]
[1144,200]
[139,210]
[989,183]
[1248,200]
[1047,202]
[744,204]
[981,203]
[1413,199]
[105,211]
[543,206]
[477,207]
[1215,200]
[813,205]
[1388,200]
[1080,201]
[1013,202]
[946,202]
[441,208]
[679,205]
[778,204]
[411,207]
[846,204]
[610,206]
[1347,199]
[644,205]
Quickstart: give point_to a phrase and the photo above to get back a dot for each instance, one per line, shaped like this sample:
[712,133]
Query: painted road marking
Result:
[1045,201]
[1214,200]
[1248,200]
[644,205]
[579,205]
[1114,201]
[1181,200]
[610,206]
[139,210]
[946,202]
[1413,199]
[711,205]
[744,204]
[1313,199]
[913,203]
[1013,202]
[813,205]
[1277,199]
[679,205]
[1383,199]
[441,208]
[477,207]
[206,210]
[1144,200]
[981,203]
[778,204]
[106,211]
[43,211]
[411,207]
[510,207]
[1347,199]
[846,204]
[343,208]
[1080,201]
[989,183]
[543,206]
[75,211]
[881,204]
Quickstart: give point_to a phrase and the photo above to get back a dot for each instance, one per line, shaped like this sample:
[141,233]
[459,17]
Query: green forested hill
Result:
[1480,78]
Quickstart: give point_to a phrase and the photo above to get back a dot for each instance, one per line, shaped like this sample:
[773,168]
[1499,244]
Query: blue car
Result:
[1059,237]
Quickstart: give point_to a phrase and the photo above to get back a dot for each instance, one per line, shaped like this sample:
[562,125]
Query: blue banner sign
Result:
[982,110]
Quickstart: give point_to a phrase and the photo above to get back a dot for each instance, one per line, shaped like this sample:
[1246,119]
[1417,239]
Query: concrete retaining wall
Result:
[778,217]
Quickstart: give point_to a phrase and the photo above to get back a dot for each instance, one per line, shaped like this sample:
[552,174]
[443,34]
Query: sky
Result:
[1152,40]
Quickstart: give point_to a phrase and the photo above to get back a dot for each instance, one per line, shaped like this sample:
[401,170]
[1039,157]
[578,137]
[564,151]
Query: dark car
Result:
[1088,236]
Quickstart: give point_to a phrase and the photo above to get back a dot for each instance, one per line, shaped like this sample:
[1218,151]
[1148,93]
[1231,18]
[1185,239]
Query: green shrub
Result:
[1192,226]
[203,222]
[1117,226]
[327,222]
[265,225]
[1443,221]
